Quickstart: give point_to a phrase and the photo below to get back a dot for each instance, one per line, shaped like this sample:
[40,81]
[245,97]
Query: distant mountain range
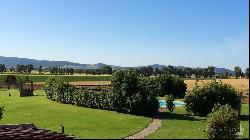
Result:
[13,61]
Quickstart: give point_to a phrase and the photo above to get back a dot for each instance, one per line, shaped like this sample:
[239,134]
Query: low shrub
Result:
[202,99]
[223,123]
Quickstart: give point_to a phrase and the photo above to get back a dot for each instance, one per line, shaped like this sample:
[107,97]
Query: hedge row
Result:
[62,92]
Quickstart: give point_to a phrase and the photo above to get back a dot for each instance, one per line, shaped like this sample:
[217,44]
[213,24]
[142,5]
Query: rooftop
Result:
[29,131]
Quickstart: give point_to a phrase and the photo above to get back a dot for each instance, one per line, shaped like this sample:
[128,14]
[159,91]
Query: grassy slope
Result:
[181,126]
[81,122]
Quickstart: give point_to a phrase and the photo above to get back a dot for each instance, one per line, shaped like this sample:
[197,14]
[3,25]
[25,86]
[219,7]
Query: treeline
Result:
[71,71]
[18,68]
[103,70]
[182,72]
[60,71]
[188,72]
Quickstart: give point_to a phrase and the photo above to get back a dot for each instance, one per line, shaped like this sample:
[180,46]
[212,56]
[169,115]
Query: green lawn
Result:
[182,126]
[79,121]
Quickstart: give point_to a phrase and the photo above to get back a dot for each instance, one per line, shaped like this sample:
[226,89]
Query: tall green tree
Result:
[106,69]
[71,71]
[29,68]
[225,74]
[157,71]
[211,71]
[247,73]
[189,72]
[146,71]
[40,69]
[169,70]
[237,72]
[198,72]
[2,68]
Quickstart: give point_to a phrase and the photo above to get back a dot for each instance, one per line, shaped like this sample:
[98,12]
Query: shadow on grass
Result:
[3,89]
[244,117]
[174,116]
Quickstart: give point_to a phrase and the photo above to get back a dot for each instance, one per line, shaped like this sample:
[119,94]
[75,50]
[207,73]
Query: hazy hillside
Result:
[13,61]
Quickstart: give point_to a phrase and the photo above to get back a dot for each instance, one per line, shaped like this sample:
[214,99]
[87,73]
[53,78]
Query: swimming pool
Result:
[177,103]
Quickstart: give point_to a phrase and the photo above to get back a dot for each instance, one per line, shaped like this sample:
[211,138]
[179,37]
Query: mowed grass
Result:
[66,78]
[183,126]
[78,121]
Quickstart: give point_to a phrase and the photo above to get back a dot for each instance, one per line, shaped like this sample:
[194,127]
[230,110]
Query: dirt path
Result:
[152,127]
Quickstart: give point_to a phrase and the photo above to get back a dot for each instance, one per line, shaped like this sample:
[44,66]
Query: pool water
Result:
[177,103]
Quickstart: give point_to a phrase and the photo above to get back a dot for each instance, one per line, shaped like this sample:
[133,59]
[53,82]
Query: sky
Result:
[195,33]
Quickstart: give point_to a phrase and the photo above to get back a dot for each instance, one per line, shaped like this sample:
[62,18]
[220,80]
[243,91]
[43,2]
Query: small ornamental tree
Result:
[170,103]
[223,123]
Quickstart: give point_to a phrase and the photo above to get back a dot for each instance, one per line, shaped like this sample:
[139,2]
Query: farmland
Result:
[241,85]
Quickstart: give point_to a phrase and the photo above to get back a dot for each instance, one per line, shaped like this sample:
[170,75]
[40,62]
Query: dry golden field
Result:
[241,85]
[91,83]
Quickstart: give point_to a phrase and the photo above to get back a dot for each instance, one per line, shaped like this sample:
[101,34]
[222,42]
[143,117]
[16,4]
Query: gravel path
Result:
[152,127]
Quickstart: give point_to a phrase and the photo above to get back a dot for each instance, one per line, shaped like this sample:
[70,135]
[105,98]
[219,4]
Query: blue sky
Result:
[194,33]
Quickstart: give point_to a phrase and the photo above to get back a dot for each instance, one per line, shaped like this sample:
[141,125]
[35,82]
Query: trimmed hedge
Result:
[223,123]
[62,92]
[90,99]
[202,99]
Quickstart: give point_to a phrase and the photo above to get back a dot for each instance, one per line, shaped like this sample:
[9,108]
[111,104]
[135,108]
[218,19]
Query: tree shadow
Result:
[175,116]
[3,89]
[244,117]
